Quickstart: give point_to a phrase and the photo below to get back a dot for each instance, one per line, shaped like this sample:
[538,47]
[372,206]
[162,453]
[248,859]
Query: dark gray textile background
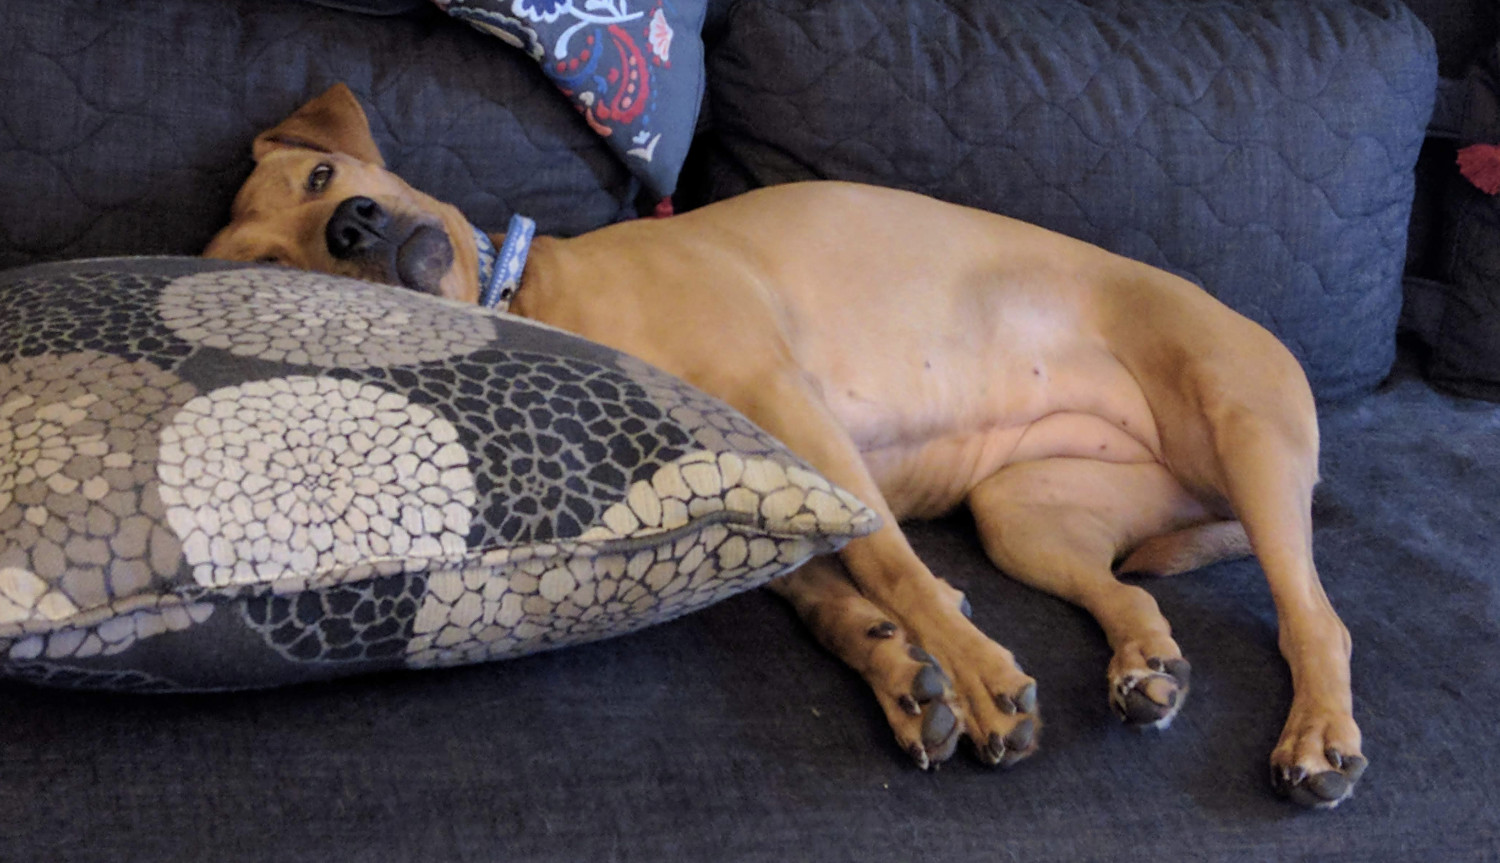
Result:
[1267,155]
[1465,334]
[729,735]
[126,126]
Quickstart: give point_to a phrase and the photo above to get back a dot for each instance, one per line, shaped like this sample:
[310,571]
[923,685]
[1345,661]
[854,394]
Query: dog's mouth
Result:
[423,258]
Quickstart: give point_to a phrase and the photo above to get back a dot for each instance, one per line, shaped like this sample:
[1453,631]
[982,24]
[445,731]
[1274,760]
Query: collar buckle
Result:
[500,271]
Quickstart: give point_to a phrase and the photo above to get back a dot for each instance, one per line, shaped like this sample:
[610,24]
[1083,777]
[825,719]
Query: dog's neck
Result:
[500,270]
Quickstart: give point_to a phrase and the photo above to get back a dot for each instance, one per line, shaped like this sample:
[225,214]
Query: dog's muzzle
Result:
[386,247]
[356,228]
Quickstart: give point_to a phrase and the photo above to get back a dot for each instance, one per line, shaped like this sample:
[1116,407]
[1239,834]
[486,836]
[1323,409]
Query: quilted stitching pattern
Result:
[125,127]
[1262,148]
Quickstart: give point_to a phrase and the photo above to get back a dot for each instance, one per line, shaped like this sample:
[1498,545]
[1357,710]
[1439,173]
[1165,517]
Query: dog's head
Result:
[321,199]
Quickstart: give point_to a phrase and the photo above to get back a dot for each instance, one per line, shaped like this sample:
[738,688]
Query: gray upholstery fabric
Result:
[1267,156]
[132,120]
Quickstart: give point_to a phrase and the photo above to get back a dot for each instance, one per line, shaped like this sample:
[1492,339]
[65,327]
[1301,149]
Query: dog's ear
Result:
[332,123]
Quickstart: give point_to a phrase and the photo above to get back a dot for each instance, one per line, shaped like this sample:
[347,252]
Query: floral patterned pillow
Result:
[633,68]
[219,476]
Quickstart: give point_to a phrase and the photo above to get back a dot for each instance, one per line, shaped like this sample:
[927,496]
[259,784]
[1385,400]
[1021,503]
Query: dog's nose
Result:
[357,225]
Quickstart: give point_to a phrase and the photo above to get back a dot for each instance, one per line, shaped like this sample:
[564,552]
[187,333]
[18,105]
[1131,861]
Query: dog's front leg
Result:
[879,608]
[911,687]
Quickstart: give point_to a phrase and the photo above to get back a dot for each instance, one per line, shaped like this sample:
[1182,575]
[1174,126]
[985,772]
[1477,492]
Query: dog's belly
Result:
[931,431]
[930,478]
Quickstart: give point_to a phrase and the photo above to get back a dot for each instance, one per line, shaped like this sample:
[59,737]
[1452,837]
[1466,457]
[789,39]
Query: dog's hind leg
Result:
[1267,460]
[1240,422]
[1058,524]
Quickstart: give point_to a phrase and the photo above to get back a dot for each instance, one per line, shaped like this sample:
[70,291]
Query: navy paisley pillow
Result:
[632,68]
[219,476]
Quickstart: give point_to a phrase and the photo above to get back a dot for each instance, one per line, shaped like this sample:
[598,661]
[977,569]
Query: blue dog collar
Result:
[500,272]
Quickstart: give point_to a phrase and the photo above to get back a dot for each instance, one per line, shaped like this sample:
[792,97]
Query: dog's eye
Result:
[268,259]
[318,179]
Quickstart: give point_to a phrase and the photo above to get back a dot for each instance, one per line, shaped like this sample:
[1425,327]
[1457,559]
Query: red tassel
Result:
[1480,163]
[663,208]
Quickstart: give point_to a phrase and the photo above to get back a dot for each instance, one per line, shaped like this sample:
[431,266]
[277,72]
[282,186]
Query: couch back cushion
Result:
[1263,149]
[127,127]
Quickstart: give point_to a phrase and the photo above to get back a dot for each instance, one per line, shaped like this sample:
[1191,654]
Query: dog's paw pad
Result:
[930,689]
[929,684]
[939,727]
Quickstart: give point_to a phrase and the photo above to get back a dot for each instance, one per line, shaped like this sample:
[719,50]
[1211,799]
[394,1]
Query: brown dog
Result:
[1095,414]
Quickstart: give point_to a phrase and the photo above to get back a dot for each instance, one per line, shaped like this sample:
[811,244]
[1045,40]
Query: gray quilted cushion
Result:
[1261,148]
[214,475]
[127,125]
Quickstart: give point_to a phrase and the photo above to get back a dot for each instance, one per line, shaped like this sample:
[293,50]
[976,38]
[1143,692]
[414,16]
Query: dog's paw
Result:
[1150,698]
[929,713]
[1148,683]
[1324,789]
[995,700]
[930,698]
[1318,761]
[1021,740]
[937,678]
[916,694]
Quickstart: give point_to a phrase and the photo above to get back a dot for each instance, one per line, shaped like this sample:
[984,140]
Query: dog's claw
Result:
[1020,736]
[1024,701]
[1019,742]
[1009,750]
[992,750]
[1354,767]
[1180,669]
